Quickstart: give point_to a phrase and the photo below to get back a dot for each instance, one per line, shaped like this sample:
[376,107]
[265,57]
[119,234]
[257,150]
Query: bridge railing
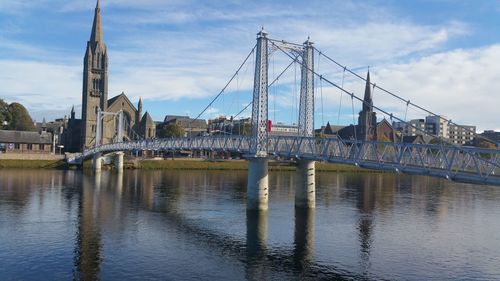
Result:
[453,162]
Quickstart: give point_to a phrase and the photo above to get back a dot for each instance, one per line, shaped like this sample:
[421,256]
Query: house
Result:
[26,142]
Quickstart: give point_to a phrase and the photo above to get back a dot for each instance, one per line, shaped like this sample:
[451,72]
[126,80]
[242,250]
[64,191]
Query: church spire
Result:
[96,35]
[368,99]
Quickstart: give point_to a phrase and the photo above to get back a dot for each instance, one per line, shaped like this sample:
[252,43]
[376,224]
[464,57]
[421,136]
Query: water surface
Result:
[193,225]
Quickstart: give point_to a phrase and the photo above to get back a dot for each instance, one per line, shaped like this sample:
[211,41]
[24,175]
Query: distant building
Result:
[26,142]
[368,128]
[192,127]
[281,129]
[328,130]
[437,126]
[413,127]
[461,134]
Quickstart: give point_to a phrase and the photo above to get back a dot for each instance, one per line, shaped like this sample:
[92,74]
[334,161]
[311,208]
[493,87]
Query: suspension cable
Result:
[384,90]
[352,94]
[223,89]
[341,95]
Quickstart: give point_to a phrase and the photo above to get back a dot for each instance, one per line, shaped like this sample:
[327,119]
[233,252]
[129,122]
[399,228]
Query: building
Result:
[81,134]
[281,129]
[413,127]
[192,127]
[368,128]
[461,134]
[437,126]
[26,142]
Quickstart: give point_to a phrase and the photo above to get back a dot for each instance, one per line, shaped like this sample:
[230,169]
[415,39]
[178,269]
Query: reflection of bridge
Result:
[449,161]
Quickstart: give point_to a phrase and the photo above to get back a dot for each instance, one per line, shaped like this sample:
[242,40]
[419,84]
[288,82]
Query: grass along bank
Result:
[180,164]
[32,164]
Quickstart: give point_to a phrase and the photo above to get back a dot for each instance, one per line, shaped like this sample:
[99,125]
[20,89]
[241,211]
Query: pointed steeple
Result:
[96,35]
[139,105]
[368,99]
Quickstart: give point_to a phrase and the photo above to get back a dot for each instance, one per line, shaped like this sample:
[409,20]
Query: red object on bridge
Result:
[269,125]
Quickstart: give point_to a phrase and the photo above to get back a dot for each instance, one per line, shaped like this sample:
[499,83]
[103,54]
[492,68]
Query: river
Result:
[193,225]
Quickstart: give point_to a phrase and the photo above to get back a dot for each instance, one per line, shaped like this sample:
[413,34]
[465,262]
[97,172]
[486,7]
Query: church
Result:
[80,134]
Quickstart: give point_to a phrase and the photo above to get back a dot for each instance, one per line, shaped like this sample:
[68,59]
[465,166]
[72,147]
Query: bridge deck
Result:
[464,164]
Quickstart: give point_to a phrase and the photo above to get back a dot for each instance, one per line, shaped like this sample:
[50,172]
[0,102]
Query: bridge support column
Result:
[97,162]
[258,184]
[305,190]
[119,161]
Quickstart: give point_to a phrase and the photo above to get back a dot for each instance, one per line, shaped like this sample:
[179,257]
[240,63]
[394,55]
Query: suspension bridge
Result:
[446,160]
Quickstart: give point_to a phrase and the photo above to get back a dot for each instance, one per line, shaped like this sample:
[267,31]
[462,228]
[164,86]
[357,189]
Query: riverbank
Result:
[32,164]
[177,164]
[180,164]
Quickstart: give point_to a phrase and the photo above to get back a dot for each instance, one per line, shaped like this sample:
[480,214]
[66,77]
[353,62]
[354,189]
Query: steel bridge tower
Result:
[305,190]
[258,181]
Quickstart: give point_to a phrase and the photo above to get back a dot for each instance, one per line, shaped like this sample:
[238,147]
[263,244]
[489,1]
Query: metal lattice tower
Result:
[306,107]
[259,144]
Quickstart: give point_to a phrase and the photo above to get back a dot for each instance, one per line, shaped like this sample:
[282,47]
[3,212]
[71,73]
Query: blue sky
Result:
[443,55]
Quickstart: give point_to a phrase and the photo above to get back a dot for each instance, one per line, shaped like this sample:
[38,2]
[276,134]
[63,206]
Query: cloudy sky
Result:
[443,55]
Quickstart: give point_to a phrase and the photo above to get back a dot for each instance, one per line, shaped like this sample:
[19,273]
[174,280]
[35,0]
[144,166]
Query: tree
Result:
[170,131]
[20,119]
[4,113]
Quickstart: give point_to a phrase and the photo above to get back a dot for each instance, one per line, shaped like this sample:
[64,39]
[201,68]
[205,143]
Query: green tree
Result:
[4,113]
[170,131]
[20,119]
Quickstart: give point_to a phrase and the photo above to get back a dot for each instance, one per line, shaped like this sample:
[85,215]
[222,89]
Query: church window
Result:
[149,133]
[30,146]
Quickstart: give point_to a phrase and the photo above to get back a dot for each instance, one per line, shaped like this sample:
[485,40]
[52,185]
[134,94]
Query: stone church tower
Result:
[95,81]
[367,120]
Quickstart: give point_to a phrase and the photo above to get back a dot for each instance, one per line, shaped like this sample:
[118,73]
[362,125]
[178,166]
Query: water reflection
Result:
[256,239]
[88,237]
[369,226]
[304,239]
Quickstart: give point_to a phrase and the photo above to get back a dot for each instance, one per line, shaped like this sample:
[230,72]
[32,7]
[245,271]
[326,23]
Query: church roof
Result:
[147,120]
[25,137]
[112,100]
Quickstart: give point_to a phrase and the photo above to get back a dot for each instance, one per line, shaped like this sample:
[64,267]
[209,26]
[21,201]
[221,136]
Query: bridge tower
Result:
[258,181]
[305,190]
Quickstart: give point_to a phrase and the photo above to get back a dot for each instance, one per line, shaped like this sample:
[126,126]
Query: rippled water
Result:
[193,225]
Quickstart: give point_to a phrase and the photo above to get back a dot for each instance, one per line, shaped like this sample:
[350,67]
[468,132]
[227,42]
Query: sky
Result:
[443,55]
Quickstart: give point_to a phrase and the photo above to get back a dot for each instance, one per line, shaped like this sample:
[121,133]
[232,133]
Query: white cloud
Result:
[463,85]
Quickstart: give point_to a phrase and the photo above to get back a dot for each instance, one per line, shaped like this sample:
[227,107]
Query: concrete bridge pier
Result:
[97,162]
[118,161]
[258,184]
[305,190]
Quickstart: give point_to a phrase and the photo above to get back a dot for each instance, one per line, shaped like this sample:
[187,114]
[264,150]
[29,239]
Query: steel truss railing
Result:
[464,164]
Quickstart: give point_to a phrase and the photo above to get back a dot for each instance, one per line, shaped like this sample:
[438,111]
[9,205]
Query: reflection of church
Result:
[80,133]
